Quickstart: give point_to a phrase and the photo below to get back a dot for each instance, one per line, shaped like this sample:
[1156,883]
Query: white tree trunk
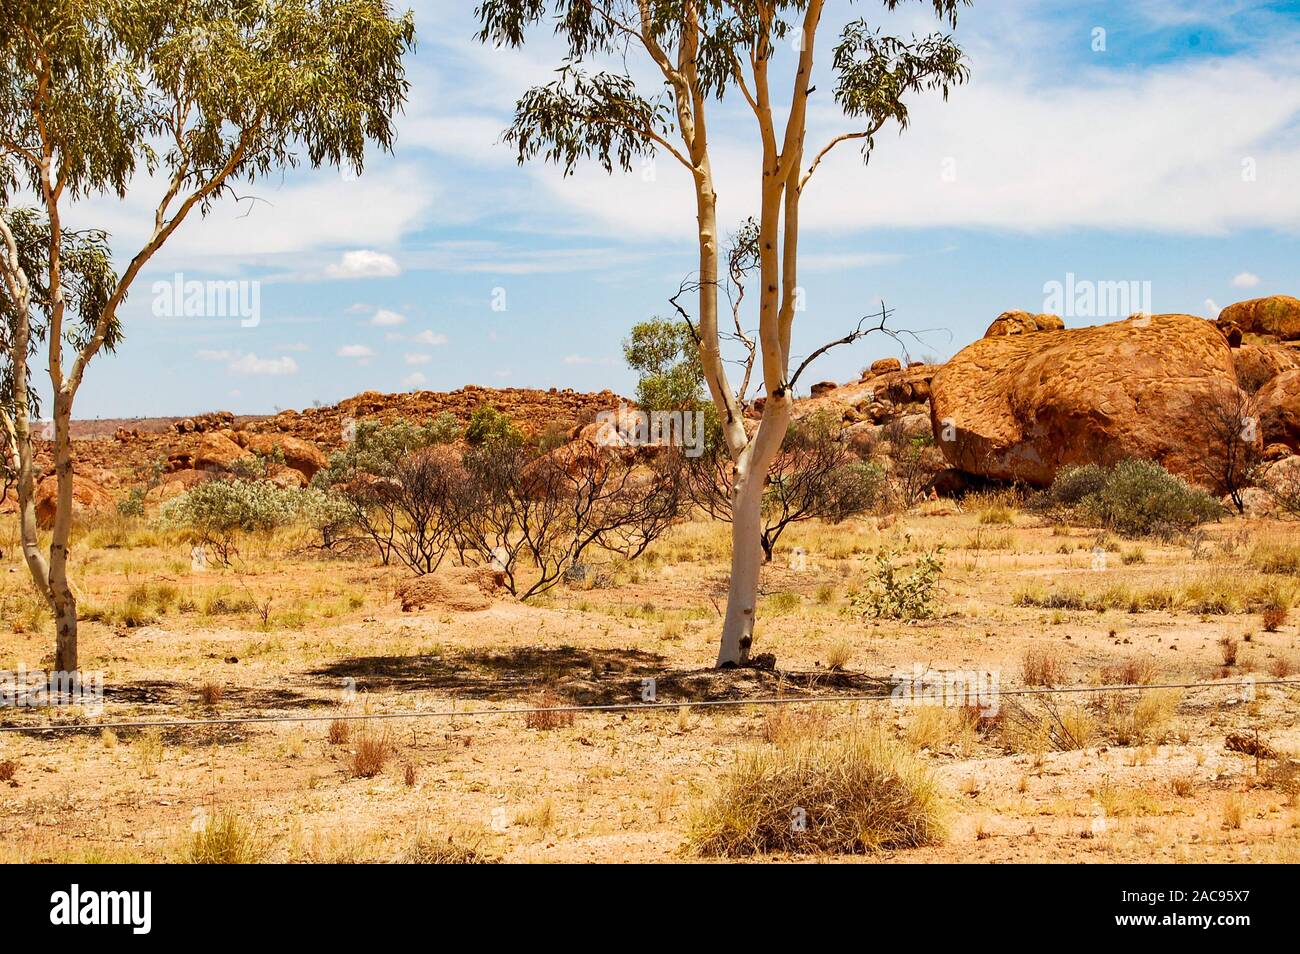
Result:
[746,533]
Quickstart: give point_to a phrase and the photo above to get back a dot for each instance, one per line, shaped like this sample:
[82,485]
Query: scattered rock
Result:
[885,365]
[1022,323]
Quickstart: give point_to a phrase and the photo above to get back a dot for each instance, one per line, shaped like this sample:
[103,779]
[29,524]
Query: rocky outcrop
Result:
[1277,315]
[88,498]
[1022,323]
[1020,407]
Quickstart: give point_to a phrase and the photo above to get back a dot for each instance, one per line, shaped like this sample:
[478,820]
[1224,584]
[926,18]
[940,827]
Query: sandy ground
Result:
[307,636]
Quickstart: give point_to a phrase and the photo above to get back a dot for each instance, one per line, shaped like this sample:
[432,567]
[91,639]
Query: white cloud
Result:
[1245,280]
[385,317]
[252,364]
[295,346]
[431,338]
[1211,309]
[413,380]
[364,263]
[355,351]
[417,358]
[1127,150]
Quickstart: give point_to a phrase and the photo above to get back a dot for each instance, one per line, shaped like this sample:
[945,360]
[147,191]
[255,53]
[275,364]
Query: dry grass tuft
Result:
[1228,650]
[838,655]
[856,792]
[1274,615]
[211,693]
[1137,671]
[1043,667]
[225,840]
[456,849]
[7,769]
[371,754]
[941,728]
[547,717]
[339,732]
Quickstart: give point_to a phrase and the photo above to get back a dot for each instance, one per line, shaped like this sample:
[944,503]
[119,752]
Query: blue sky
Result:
[1119,164]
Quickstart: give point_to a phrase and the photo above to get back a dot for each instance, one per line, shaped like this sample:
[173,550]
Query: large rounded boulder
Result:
[88,498]
[1020,407]
[1277,315]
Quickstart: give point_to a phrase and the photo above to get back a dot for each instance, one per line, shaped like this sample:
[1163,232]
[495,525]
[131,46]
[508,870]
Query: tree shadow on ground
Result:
[586,677]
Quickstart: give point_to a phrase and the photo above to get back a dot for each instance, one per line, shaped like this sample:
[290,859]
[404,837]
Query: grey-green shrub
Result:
[1135,497]
[218,512]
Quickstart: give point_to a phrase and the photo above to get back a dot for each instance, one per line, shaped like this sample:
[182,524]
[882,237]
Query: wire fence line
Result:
[623,706]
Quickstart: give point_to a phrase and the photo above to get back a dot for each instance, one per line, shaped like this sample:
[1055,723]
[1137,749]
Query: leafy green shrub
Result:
[376,448]
[488,425]
[132,505]
[891,595]
[1135,497]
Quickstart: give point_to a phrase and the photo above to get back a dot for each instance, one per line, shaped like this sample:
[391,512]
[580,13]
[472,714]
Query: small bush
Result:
[211,693]
[855,793]
[1073,485]
[1228,650]
[488,425]
[1274,616]
[890,595]
[838,655]
[7,769]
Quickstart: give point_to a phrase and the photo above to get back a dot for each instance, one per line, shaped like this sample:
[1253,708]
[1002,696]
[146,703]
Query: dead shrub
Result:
[1274,615]
[7,769]
[857,792]
[211,693]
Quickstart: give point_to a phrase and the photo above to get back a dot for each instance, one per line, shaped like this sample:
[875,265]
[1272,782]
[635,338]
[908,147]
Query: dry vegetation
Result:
[1100,775]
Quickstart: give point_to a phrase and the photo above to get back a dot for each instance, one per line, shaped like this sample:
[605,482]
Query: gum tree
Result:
[198,94]
[601,107]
